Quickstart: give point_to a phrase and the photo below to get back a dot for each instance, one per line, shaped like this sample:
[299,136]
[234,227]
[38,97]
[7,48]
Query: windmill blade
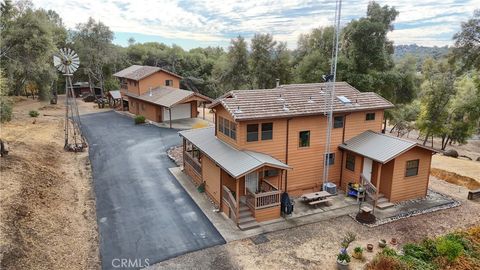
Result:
[56,61]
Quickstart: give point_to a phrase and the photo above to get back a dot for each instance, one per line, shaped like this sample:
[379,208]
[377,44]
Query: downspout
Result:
[343,151]
[286,152]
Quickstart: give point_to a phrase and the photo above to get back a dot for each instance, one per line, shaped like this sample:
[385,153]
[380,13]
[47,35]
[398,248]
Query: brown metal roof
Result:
[136,72]
[167,96]
[296,100]
[380,147]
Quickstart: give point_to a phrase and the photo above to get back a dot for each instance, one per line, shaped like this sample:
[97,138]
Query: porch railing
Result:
[370,189]
[229,199]
[263,199]
[192,162]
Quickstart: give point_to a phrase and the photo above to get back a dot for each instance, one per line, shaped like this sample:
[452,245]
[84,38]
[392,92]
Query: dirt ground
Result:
[47,207]
[315,246]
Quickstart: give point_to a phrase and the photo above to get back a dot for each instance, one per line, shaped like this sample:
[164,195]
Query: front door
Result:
[251,182]
[367,169]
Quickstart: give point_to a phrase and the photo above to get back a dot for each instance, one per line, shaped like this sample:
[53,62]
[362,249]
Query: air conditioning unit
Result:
[330,188]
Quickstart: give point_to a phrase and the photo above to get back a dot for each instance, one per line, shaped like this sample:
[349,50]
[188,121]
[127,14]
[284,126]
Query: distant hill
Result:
[419,51]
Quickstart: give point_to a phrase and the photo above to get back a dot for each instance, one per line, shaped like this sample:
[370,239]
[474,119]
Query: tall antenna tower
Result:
[330,91]
[67,62]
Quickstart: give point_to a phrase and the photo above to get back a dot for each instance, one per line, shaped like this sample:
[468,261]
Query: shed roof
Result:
[167,96]
[115,94]
[379,147]
[297,100]
[137,72]
[235,162]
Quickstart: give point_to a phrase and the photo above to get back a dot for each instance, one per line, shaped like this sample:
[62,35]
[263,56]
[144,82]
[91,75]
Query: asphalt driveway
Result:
[144,215]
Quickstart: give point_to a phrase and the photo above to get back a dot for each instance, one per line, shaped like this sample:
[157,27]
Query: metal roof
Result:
[296,100]
[167,96]
[235,162]
[115,94]
[136,72]
[379,147]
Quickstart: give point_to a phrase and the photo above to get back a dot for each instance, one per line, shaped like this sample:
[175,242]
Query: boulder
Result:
[451,153]
[478,159]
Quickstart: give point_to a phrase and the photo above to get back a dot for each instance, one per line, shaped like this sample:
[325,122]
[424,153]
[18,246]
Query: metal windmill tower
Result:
[67,62]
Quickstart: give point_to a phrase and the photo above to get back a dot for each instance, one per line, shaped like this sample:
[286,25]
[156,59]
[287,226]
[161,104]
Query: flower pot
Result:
[342,265]
[370,247]
[382,243]
[357,255]
[393,241]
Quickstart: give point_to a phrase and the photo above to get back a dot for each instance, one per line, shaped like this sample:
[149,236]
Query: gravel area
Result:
[315,246]
[175,154]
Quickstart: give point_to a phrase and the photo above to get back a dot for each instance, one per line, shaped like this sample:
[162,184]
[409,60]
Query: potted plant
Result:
[369,247]
[393,241]
[343,259]
[358,253]
[382,243]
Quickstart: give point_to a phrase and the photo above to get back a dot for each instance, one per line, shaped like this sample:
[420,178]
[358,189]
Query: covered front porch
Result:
[244,185]
[252,198]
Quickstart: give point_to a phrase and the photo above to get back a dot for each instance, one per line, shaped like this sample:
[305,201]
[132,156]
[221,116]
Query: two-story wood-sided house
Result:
[155,93]
[270,141]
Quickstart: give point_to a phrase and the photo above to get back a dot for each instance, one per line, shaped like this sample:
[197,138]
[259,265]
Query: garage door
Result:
[178,112]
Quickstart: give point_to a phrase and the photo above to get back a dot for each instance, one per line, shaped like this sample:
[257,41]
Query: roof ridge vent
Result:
[280,97]
[238,110]
[285,108]
[310,100]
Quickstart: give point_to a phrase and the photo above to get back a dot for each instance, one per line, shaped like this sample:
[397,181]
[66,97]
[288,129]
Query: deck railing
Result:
[230,201]
[192,162]
[370,189]
[266,186]
[263,199]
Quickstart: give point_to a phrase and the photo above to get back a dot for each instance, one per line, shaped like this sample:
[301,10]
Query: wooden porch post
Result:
[184,150]
[203,110]
[237,195]
[170,116]
[379,173]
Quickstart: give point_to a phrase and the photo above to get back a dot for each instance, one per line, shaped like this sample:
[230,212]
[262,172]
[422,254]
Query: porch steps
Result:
[246,221]
[384,205]
[382,200]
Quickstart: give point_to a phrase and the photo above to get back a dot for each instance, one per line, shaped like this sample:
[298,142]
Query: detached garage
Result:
[166,104]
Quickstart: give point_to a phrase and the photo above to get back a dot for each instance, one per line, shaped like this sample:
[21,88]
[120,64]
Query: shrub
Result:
[416,264]
[139,119]
[347,239]
[389,252]
[417,251]
[382,262]
[449,248]
[33,113]
[5,109]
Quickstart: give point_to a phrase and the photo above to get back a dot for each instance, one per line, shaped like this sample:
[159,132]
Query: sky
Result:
[201,23]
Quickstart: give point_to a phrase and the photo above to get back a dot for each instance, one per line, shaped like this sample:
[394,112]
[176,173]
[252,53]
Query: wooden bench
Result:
[319,201]
[474,194]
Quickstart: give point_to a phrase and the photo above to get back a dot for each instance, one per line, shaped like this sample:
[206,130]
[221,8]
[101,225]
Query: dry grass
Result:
[456,179]
[47,209]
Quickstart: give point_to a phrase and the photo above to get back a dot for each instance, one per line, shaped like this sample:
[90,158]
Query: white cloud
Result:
[423,22]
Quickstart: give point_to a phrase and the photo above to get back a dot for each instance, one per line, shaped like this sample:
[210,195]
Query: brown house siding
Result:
[211,177]
[221,112]
[404,188]
[386,179]
[356,123]
[155,80]
[351,176]
[267,214]
[150,111]
[197,178]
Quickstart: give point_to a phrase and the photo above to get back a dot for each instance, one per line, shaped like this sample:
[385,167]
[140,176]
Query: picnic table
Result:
[315,198]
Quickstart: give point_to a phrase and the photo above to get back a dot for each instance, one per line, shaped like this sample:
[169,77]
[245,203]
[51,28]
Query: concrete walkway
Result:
[230,232]
[181,124]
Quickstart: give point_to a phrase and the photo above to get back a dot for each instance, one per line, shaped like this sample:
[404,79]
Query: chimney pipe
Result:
[278,82]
